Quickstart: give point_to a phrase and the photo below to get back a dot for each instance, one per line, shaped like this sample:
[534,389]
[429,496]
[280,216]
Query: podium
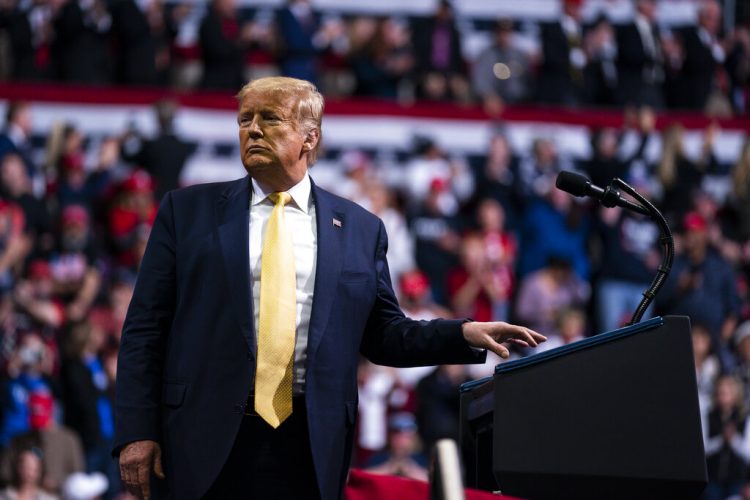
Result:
[611,416]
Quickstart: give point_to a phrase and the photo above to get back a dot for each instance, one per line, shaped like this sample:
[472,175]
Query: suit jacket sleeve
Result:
[149,319]
[390,338]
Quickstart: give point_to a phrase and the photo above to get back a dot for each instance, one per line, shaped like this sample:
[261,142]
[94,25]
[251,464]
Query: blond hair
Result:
[741,173]
[672,152]
[308,107]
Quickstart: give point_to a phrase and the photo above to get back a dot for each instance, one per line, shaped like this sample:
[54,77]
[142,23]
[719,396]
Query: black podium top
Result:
[580,345]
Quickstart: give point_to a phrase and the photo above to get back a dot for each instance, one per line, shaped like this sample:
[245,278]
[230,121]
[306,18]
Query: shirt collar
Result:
[300,193]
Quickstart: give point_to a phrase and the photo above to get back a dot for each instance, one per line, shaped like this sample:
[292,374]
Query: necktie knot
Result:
[280,198]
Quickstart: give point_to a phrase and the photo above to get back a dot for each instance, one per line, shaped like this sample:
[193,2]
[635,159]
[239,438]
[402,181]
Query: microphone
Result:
[578,185]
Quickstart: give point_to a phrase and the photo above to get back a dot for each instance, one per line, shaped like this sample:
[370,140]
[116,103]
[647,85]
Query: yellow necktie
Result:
[277,321]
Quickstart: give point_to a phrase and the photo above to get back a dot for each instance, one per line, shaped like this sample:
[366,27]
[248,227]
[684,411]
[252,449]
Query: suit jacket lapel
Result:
[330,241]
[233,212]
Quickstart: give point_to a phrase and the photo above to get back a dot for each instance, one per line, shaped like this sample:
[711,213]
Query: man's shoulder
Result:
[347,206]
[209,190]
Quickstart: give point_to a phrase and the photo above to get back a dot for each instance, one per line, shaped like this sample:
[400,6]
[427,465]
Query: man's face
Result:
[272,146]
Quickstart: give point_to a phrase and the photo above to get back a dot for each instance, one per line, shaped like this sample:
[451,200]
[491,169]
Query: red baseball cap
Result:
[693,221]
[75,215]
[138,182]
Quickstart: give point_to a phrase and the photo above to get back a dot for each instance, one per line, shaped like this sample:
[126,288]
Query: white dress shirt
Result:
[299,217]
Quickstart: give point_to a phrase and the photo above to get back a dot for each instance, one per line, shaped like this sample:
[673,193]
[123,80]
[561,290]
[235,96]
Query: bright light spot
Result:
[501,71]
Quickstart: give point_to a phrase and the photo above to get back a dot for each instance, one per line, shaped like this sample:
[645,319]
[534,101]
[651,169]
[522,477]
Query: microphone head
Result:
[570,182]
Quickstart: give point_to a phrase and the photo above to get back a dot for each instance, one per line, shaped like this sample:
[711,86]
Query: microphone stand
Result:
[665,240]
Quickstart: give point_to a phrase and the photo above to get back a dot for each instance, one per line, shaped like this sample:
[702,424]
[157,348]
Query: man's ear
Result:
[311,140]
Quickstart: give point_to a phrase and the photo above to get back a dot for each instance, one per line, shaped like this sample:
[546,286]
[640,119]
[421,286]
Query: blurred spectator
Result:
[381,59]
[60,447]
[77,186]
[14,246]
[73,264]
[415,298]
[223,41]
[131,217]
[87,399]
[545,293]
[640,146]
[704,53]
[303,38]
[554,226]
[681,177]
[28,470]
[29,32]
[135,58]
[727,441]
[499,179]
[431,163]
[476,290]
[373,385]
[601,70]
[561,76]
[502,72]
[436,238]
[165,155]
[439,404]
[640,59]
[28,372]
[741,192]
[16,138]
[357,177]
[707,366]
[400,241]
[484,284]
[539,170]
[630,256]
[440,69]
[36,304]
[80,49]
[400,457]
[15,186]
[571,325]
[738,67]
[604,164]
[703,285]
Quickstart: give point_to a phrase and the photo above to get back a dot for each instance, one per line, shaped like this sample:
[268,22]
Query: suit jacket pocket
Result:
[173,394]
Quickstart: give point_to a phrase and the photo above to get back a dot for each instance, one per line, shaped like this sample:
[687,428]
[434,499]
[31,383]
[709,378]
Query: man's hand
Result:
[490,335]
[136,461]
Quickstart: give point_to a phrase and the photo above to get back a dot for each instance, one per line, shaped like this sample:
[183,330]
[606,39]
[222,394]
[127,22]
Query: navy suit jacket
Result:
[187,358]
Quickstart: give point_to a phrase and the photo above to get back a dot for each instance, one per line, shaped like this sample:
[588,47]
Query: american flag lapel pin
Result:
[336,222]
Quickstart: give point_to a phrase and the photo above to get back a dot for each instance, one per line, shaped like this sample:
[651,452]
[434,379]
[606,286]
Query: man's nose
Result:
[254,128]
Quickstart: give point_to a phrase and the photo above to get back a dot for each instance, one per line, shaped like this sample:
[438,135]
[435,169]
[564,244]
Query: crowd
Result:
[704,66]
[484,237]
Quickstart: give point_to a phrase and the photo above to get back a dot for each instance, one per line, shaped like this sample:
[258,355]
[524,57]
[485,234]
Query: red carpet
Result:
[366,486]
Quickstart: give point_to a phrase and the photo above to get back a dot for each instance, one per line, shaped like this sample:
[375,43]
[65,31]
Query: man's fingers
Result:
[130,479]
[531,337]
[143,482]
[158,470]
[518,342]
[498,349]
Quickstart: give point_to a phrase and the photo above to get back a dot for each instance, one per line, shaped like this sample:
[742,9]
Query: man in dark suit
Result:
[223,41]
[640,62]
[195,366]
[704,53]
[163,156]
[561,79]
